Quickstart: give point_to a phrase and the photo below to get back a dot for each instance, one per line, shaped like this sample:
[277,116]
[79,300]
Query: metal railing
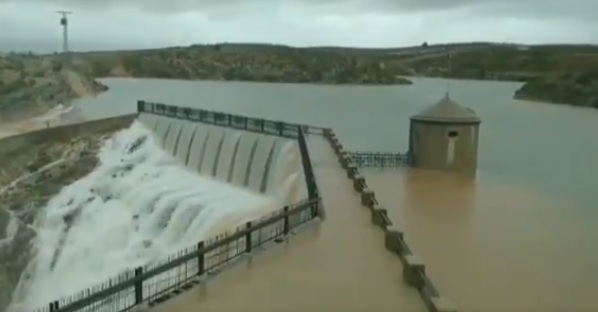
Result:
[379,159]
[158,281]
[264,126]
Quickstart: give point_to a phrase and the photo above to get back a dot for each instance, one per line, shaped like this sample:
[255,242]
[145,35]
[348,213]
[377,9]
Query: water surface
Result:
[519,237]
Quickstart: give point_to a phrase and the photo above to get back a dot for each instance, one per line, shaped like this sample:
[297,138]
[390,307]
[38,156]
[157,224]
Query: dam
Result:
[292,235]
[310,235]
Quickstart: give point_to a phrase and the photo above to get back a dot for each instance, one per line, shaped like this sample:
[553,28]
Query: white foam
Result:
[132,198]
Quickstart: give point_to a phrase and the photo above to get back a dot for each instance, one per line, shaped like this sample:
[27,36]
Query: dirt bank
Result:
[31,86]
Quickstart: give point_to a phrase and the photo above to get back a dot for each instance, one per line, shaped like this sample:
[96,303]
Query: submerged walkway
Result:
[338,265]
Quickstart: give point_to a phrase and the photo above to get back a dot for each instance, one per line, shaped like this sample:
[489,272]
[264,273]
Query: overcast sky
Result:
[117,24]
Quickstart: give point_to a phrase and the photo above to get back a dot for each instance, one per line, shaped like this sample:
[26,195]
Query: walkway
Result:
[339,265]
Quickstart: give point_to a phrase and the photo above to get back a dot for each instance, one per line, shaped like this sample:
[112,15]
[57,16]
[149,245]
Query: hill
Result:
[263,63]
[564,74]
[535,65]
[579,89]
[32,86]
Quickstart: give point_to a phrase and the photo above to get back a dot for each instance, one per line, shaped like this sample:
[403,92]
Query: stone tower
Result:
[444,136]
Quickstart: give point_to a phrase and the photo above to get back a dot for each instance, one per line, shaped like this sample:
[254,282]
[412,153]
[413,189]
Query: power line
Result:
[65,32]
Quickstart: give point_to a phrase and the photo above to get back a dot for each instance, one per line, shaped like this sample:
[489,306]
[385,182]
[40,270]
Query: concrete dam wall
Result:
[265,164]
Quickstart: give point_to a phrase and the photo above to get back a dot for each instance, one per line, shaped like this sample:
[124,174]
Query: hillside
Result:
[248,63]
[579,89]
[32,86]
[535,65]
[563,74]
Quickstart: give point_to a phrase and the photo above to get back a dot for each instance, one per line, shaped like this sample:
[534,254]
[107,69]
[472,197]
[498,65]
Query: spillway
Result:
[257,162]
[161,185]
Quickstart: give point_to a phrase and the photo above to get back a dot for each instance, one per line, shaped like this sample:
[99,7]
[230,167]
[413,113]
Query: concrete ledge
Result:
[338,148]
[392,240]
[343,158]
[358,182]
[380,217]
[367,197]
[352,170]
[336,144]
[412,267]
[347,162]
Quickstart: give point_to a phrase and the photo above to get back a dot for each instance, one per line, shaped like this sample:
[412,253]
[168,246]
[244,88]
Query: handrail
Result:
[202,250]
[195,260]
[379,159]
[279,128]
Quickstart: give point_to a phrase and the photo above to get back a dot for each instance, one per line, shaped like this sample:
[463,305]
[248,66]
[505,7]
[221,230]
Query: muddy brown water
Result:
[337,265]
[522,236]
[491,245]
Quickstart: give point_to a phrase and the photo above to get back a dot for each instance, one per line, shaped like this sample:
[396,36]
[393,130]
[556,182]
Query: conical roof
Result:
[447,111]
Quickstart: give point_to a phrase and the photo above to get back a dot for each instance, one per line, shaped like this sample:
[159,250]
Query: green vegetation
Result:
[579,89]
[551,72]
[269,64]
[564,74]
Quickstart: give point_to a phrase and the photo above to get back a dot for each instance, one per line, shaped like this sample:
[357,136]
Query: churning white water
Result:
[137,206]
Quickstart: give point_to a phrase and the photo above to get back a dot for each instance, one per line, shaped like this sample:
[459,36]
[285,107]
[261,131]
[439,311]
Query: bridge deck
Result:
[340,265]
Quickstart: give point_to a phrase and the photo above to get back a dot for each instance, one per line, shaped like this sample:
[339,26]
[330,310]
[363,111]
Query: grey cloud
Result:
[108,24]
[554,9]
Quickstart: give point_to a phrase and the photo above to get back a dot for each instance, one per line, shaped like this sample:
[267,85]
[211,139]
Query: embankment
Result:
[31,86]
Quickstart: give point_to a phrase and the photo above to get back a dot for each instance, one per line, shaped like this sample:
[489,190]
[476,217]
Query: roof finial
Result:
[450,70]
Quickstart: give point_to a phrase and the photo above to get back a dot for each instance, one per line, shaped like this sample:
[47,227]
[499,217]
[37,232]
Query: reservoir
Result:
[521,236]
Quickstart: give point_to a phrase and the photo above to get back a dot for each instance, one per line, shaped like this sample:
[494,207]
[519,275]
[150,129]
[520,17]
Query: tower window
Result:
[453,134]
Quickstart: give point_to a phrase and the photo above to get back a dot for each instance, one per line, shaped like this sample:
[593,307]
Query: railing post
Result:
[314,209]
[307,169]
[138,286]
[262,125]
[140,105]
[230,121]
[245,119]
[248,242]
[279,125]
[287,224]
[201,259]
[54,306]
